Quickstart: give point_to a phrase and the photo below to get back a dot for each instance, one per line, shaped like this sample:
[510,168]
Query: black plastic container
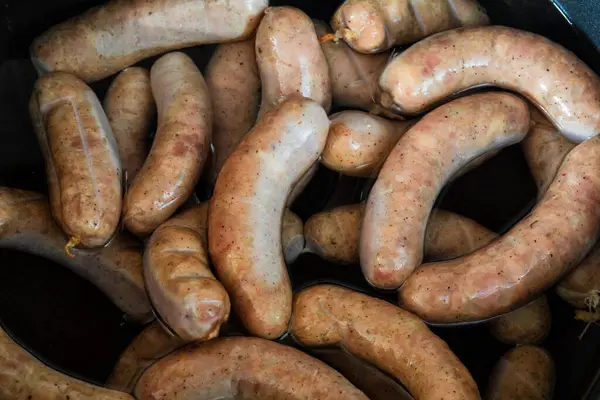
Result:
[72,326]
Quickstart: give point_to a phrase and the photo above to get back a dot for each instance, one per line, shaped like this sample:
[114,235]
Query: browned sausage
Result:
[519,266]
[552,77]
[26,224]
[180,147]
[384,335]
[130,108]
[243,368]
[246,210]
[82,160]
[108,38]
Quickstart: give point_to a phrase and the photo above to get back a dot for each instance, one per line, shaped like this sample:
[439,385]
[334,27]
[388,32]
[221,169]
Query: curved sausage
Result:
[234,84]
[334,234]
[524,373]
[22,376]
[529,324]
[581,287]
[83,167]
[244,224]
[384,335]
[372,26]
[26,224]
[290,59]
[519,266]
[358,143]
[180,147]
[292,236]
[181,286]
[130,108]
[152,344]
[553,78]
[354,76]
[425,158]
[243,367]
[109,38]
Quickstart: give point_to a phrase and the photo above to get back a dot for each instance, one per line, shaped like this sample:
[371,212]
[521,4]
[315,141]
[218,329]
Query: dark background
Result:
[71,325]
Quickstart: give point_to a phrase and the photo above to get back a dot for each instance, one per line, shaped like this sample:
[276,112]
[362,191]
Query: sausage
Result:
[243,367]
[529,324]
[152,344]
[292,236]
[421,163]
[244,224]
[354,76]
[290,59]
[83,167]
[384,335]
[358,143]
[553,78]
[581,287]
[109,38]
[234,84]
[544,149]
[181,286]
[26,224]
[373,26]
[180,147]
[524,373]
[516,268]
[22,376]
[334,234]
[130,108]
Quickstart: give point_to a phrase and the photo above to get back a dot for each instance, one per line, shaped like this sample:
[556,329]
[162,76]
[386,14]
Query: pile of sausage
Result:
[256,126]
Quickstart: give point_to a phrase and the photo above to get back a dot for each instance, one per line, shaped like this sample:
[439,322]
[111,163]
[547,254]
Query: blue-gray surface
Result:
[585,14]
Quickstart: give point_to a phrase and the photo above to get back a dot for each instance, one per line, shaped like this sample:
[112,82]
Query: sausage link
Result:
[519,266]
[358,143]
[524,373]
[421,163]
[180,147]
[22,377]
[553,78]
[529,324]
[290,59]
[373,26]
[109,38]
[130,108]
[234,84]
[82,160]
[26,224]
[243,367]
[246,210]
[384,335]
[180,283]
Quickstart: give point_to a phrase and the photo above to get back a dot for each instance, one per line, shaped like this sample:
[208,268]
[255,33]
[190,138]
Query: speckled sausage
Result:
[358,143]
[290,59]
[421,163]
[334,234]
[524,373]
[181,286]
[544,149]
[26,224]
[234,84]
[373,26]
[529,324]
[354,76]
[82,160]
[152,344]
[180,147]
[243,368]
[384,335]
[552,77]
[24,377]
[529,258]
[581,287]
[246,209]
[109,38]
[130,108]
